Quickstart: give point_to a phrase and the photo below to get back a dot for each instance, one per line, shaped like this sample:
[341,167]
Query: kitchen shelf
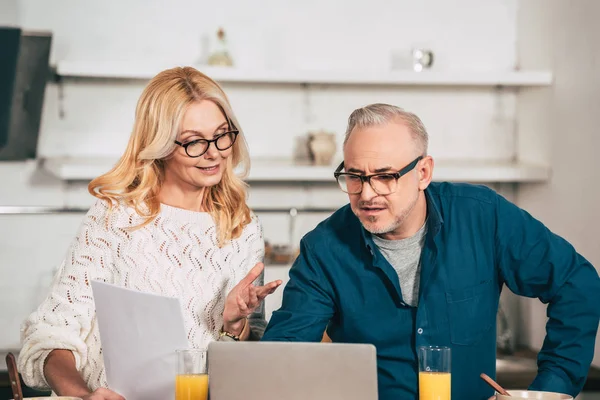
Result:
[85,169]
[145,71]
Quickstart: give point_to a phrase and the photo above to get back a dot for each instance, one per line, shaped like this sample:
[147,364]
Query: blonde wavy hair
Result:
[137,178]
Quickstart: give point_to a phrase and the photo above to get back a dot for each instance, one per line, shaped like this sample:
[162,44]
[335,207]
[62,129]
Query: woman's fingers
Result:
[242,304]
[269,288]
[252,275]
[254,301]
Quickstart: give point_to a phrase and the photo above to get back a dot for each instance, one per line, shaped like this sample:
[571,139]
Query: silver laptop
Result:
[292,371]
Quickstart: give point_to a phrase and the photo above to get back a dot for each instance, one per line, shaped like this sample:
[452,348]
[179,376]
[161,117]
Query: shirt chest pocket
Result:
[470,313]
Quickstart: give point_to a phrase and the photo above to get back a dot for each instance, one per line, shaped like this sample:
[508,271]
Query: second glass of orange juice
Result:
[191,382]
[434,373]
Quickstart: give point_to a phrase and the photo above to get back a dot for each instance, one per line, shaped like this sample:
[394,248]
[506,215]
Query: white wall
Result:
[568,116]
[9,13]
[467,123]
[314,34]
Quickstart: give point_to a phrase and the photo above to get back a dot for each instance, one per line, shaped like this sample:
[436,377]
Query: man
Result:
[411,263]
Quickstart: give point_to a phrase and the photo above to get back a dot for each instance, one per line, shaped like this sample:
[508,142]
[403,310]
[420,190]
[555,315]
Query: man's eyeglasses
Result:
[382,184]
[222,142]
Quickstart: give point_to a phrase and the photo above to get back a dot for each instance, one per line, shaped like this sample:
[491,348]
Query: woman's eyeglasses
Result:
[198,147]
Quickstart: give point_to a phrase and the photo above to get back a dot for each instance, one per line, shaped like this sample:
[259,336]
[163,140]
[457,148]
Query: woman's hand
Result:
[244,298]
[61,373]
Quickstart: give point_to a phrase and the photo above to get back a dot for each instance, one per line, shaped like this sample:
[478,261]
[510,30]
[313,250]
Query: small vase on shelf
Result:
[221,57]
[322,146]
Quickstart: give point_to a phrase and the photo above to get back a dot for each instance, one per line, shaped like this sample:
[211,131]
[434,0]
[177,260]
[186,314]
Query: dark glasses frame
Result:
[235,133]
[367,178]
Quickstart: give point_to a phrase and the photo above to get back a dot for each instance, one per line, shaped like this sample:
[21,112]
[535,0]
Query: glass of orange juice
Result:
[434,373]
[191,382]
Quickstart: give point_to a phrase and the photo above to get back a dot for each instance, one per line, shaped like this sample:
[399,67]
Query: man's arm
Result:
[308,302]
[534,262]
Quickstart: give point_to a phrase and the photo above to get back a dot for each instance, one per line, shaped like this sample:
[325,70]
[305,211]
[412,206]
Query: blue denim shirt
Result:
[476,242]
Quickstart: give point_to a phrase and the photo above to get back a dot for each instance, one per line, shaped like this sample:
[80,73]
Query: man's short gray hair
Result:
[379,114]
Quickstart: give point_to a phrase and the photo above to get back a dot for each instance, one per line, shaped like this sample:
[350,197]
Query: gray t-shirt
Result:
[405,256]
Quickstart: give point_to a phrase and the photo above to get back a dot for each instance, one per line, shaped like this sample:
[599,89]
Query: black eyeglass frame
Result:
[367,178]
[208,142]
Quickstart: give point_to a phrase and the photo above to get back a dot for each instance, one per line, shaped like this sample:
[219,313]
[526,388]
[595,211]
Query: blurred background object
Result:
[322,146]
[220,56]
[24,71]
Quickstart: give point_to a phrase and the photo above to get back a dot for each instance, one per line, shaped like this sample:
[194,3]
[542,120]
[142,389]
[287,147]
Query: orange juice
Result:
[191,387]
[434,386]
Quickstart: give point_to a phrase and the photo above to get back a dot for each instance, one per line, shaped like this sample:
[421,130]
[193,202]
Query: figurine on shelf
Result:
[220,57]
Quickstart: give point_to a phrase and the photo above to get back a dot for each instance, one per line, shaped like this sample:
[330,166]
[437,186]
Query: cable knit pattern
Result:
[176,255]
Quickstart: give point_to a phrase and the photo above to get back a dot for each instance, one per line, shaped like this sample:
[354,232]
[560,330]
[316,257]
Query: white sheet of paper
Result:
[139,333]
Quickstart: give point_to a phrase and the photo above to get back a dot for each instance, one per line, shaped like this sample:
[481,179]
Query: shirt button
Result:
[420,331]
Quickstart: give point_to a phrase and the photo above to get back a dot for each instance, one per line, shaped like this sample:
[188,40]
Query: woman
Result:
[170,219]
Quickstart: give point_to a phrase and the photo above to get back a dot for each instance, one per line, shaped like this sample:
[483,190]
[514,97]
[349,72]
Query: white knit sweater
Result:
[176,255]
